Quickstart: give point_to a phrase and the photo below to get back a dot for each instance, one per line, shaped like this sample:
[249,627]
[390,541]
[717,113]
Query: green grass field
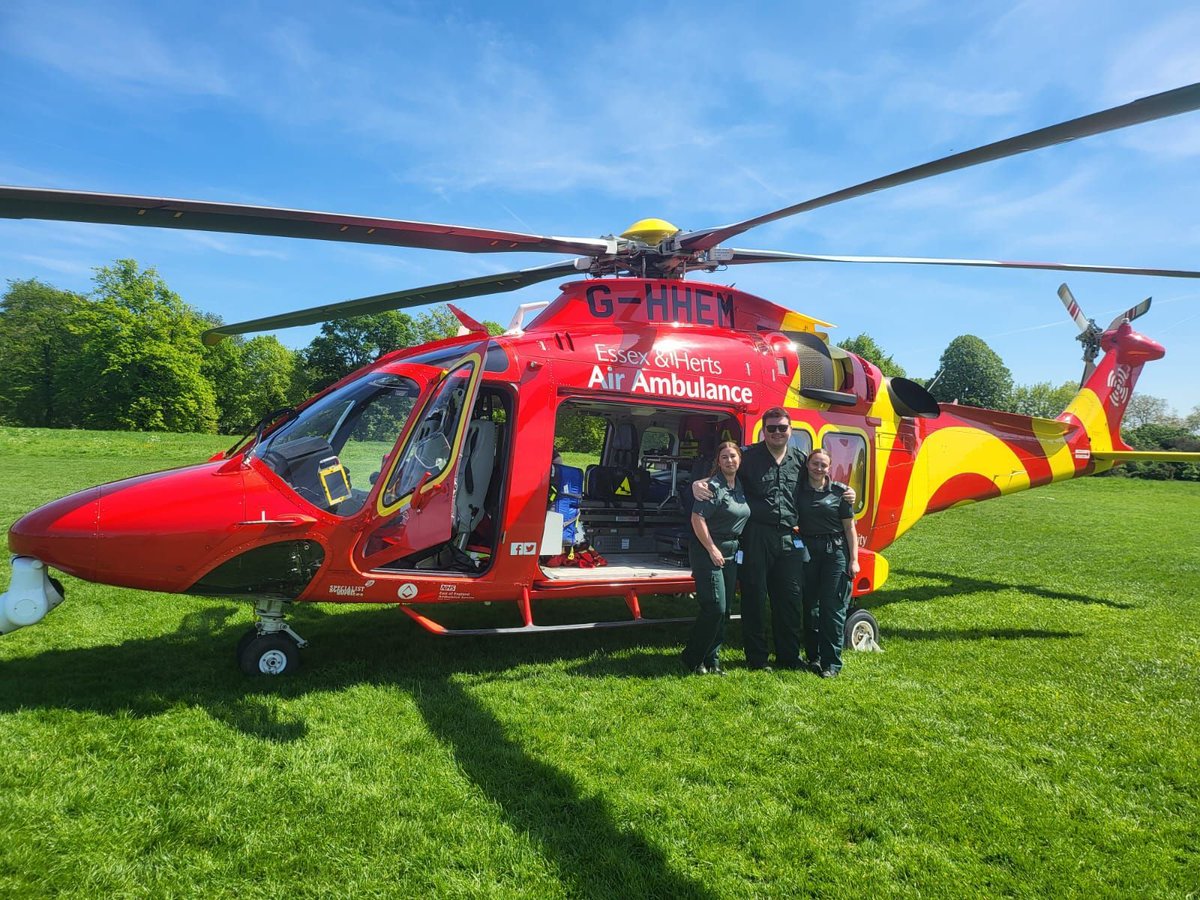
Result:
[1032,730]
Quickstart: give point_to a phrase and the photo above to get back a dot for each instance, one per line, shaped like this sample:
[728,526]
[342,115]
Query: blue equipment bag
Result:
[566,490]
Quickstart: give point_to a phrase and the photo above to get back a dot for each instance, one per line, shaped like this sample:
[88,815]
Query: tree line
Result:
[128,356]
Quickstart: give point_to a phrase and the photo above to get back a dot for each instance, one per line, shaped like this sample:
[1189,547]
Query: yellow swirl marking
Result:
[957,451]
[1054,446]
[1088,409]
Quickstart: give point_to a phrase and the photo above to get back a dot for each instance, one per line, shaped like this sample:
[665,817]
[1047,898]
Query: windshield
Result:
[331,453]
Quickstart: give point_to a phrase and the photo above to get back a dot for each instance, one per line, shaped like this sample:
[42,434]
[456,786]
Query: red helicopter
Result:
[429,476]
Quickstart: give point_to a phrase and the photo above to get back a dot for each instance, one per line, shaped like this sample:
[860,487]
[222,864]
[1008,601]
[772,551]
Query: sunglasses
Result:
[776,429]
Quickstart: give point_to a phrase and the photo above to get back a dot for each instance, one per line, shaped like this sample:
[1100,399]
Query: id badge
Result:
[797,543]
[737,557]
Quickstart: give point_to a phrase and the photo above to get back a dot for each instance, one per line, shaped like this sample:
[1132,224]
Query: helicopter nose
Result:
[62,533]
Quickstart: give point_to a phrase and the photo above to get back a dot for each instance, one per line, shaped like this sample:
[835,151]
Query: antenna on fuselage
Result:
[518,319]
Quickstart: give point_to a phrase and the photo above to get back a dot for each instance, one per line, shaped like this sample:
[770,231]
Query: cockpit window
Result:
[332,452]
[431,446]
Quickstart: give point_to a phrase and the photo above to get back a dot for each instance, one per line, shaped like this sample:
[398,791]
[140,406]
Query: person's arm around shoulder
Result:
[847,492]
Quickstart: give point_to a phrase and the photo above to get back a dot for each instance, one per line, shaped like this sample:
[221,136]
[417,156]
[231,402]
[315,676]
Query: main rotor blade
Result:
[762,256]
[1147,109]
[234,218]
[433,293]
[1073,310]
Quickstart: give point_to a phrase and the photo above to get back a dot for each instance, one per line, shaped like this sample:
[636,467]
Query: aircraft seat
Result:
[474,475]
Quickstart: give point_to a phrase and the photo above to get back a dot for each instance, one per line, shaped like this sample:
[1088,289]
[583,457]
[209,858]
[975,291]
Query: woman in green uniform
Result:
[716,525]
[826,523]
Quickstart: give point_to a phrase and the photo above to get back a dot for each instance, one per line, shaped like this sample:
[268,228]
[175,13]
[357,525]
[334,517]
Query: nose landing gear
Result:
[30,596]
[270,646]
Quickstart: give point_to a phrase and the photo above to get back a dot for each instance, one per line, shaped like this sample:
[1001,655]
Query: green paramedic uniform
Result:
[826,582]
[772,568]
[725,515]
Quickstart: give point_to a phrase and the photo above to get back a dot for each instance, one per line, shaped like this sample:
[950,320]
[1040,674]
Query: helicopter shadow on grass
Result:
[948,584]
[194,666]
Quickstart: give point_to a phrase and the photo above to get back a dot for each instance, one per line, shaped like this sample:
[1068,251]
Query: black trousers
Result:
[772,572]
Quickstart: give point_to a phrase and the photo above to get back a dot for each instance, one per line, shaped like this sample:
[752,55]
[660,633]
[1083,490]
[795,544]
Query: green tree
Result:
[972,373]
[348,344]
[1146,409]
[579,432]
[865,346]
[435,323]
[439,322]
[38,354]
[1162,436]
[1042,399]
[250,378]
[140,359]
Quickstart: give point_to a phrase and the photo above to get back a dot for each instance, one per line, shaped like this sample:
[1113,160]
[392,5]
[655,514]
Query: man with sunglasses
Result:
[772,564]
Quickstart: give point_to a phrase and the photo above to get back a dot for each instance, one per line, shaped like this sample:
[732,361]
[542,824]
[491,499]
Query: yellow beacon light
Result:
[650,231]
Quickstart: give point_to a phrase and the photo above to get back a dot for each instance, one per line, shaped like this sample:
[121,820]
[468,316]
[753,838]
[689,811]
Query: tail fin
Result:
[1101,401]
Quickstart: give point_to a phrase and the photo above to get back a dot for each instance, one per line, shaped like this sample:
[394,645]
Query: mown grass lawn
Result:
[1031,730]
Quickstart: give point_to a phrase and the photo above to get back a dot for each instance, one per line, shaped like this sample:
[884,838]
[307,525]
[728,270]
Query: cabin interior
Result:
[625,512]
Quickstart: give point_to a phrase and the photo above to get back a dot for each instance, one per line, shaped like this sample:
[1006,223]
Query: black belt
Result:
[828,536]
[722,538]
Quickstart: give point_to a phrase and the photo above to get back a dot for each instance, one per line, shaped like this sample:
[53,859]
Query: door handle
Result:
[295,520]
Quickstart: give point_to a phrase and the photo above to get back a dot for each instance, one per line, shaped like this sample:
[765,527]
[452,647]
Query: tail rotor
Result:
[1134,312]
[1089,332]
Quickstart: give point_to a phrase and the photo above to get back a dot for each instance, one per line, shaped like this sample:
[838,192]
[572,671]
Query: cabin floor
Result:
[621,567]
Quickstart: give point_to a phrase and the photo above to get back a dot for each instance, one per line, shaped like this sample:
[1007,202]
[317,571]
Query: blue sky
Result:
[530,118]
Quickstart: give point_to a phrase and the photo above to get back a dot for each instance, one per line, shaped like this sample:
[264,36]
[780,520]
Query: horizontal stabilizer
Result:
[1179,456]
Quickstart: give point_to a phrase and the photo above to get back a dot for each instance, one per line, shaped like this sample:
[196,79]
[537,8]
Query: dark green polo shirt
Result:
[770,486]
[823,509]
[726,513]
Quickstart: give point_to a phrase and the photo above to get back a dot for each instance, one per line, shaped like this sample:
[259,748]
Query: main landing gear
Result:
[270,646]
[862,631]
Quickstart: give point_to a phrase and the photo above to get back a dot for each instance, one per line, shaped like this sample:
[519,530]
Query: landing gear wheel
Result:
[244,641]
[862,631]
[269,654]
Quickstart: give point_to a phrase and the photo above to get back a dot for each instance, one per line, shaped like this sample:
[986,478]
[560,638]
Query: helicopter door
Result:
[417,502]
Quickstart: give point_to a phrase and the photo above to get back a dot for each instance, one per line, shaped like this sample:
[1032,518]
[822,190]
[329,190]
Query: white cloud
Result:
[110,48]
[71,267]
[231,246]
